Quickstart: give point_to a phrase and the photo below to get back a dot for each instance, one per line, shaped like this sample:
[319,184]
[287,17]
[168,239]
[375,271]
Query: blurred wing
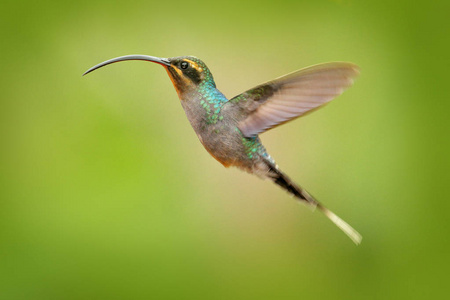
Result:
[293,95]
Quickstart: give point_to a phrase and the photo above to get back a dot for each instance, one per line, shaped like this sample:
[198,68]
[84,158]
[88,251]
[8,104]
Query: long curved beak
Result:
[161,61]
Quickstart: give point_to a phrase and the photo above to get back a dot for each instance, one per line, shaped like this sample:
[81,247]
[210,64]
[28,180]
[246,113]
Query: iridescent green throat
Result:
[212,101]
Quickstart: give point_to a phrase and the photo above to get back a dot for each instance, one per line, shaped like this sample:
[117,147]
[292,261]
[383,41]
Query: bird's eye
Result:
[184,65]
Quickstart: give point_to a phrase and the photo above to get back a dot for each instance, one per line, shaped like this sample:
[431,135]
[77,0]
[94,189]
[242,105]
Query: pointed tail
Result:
[285,182]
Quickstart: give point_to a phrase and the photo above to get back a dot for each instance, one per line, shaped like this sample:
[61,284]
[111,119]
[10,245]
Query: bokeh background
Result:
[106,192]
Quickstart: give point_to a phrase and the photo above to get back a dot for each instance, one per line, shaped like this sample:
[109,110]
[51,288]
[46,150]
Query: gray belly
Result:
[224,143]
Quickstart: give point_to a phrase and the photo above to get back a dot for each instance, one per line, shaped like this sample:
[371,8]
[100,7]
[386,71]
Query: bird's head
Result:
[187,73]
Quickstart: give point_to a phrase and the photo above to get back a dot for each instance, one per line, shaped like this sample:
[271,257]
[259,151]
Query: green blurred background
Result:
[106,192]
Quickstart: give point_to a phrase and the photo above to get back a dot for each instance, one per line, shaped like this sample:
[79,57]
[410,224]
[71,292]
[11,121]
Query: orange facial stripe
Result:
[195,65]
[174,82]
[186,81]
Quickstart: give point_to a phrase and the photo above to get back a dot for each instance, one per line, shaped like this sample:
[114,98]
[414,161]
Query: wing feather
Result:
[293,95]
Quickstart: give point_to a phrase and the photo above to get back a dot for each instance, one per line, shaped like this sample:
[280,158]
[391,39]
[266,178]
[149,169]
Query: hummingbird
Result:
[229,128]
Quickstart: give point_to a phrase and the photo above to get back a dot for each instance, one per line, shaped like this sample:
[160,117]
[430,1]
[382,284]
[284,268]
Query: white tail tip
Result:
[347,229]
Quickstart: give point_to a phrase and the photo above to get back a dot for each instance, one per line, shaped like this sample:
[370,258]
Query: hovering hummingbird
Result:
[229,128]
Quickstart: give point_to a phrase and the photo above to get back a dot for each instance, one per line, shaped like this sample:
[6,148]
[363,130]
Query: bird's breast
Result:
[216,127]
